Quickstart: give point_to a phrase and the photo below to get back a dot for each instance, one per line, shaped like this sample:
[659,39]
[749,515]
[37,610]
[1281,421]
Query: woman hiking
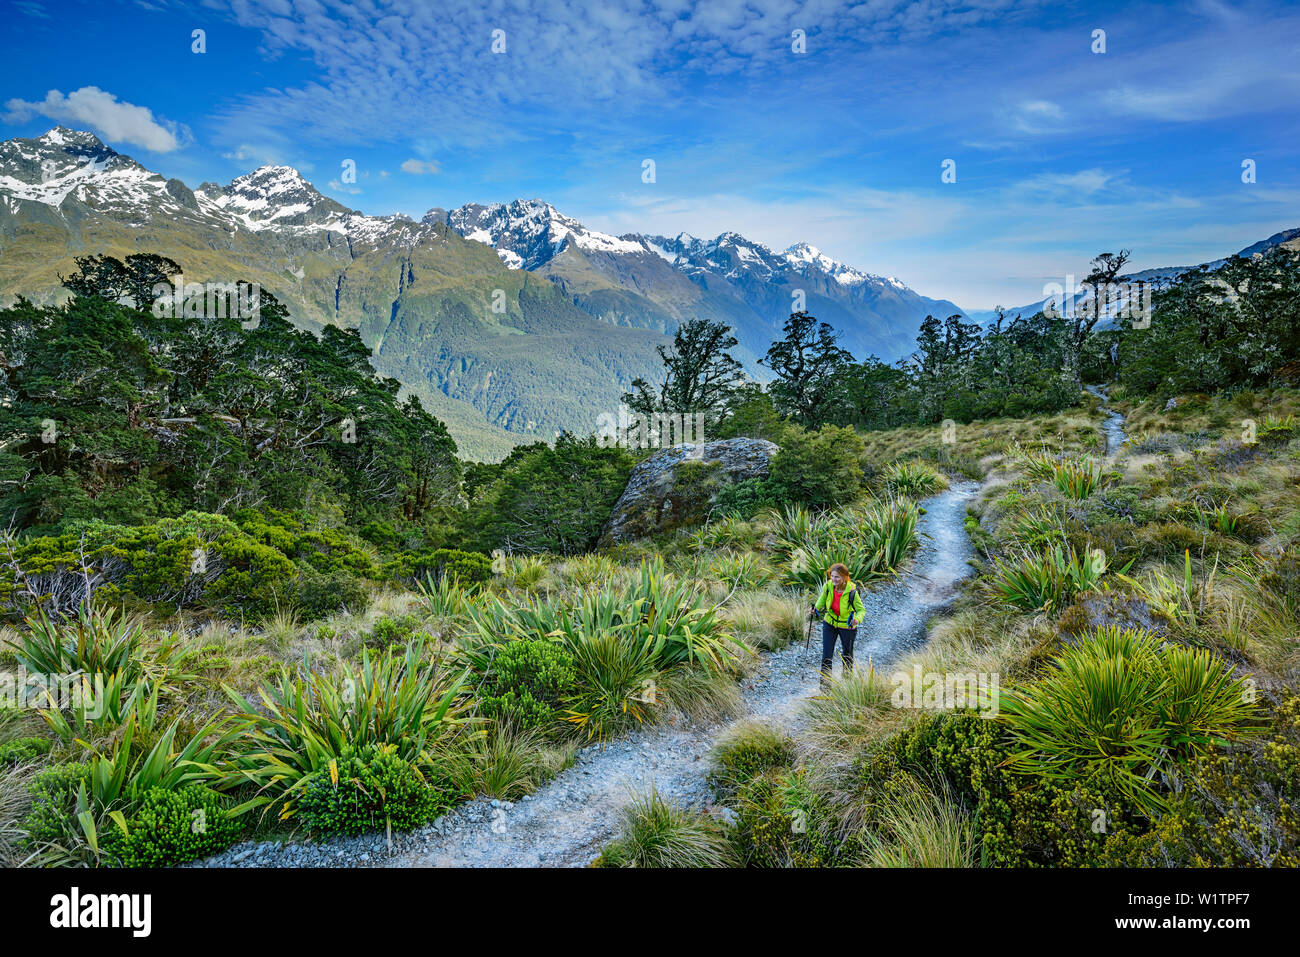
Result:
[841,608]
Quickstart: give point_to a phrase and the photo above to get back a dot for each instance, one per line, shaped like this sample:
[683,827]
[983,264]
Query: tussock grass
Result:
[766,620]
[15,800]
[505,762]
[701,695]
[920,827]
[980,446]
[853,712]
[654,833]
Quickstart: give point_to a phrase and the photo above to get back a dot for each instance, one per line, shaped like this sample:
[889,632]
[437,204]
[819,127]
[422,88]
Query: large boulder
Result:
[677,486]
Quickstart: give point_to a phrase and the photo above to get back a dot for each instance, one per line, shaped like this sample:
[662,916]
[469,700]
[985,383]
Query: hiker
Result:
[841,609]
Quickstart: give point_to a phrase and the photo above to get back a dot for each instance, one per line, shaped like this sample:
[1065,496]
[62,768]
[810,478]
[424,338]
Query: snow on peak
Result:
[64,163]
[806,254]
[529,233]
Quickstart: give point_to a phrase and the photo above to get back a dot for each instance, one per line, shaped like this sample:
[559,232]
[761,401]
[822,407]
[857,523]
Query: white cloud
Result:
[419,167]
[1084,181]
[262,155]
[101,111]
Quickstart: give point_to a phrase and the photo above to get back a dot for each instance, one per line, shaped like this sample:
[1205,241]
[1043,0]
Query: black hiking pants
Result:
[846,636]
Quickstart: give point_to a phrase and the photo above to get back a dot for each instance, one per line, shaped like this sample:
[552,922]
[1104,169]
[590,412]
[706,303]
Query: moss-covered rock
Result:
[677,487]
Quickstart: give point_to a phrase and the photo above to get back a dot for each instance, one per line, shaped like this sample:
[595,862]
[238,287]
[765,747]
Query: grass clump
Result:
[747,750]
[654,833]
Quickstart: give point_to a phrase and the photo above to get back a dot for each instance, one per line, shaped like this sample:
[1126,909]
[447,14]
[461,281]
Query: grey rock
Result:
[677,486]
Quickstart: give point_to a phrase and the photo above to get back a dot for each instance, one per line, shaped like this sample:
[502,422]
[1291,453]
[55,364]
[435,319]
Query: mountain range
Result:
[511,321]
[655,282]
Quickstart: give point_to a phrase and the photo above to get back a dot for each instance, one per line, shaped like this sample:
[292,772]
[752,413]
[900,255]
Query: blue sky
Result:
[1060,152]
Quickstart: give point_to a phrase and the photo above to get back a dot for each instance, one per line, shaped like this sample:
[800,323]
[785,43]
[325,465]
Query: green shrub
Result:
[529,683]
[320,594]
[367,789]
[22,750]
[170,827]
[745,498]
[53,793]
[197,560]
[781,822]
[1237,808]
[388,631]
[819,469]
[82,814]
[747,750]
[1046,825]
[467,568]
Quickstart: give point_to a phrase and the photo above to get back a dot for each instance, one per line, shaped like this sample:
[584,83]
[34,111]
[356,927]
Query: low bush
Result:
[22,750]
[529,683]
[371,788]
[781,822]
[170,827]
[746,498]
[747,750]
[467,568]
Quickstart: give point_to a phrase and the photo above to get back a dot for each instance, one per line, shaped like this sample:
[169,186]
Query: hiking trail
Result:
[1113,427]
[570,819]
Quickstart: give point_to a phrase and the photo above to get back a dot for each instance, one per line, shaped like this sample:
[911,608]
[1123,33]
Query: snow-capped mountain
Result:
[70,173]
[656,281]
[68,167]
[527,234]
[425,300]
[731,255]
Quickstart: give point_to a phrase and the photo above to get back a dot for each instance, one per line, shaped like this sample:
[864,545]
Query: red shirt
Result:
[835,602]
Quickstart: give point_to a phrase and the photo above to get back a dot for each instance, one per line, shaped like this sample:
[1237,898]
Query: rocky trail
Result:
[568,821]
[1113,427]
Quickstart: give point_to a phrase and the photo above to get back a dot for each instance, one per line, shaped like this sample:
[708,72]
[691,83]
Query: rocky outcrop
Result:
[677,486]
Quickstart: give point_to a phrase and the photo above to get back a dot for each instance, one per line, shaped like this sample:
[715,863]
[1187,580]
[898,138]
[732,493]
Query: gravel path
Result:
[570,819]
[1113,427]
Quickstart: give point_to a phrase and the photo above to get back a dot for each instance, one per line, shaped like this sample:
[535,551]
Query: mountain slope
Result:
[443,314]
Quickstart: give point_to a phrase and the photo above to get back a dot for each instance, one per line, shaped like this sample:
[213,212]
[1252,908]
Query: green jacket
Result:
[850,606]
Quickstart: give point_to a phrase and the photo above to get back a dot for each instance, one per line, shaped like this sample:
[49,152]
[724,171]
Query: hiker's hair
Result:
[841,568]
